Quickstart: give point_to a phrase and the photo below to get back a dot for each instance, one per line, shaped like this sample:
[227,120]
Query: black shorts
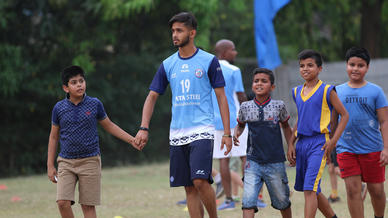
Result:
[191,161]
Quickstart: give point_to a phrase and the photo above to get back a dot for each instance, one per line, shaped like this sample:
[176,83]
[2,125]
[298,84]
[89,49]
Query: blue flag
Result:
[266,46]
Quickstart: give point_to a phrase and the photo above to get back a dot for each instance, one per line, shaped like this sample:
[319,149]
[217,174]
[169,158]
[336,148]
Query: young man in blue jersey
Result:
[265,153]
[192,74]
[314,102]
[362,150]
[74,125]
[226,53]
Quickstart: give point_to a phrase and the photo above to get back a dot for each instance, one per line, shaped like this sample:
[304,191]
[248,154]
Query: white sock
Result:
[217,178]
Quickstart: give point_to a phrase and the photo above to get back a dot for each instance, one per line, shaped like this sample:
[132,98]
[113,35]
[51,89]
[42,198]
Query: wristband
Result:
[144,128]
[226,135]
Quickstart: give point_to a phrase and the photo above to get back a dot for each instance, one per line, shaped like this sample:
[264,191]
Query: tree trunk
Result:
[371,26]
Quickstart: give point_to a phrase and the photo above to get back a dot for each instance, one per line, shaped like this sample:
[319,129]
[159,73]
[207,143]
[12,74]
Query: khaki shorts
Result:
[87,171]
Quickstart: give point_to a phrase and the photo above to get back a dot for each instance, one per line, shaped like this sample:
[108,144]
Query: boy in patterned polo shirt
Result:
[74,125]
[265,154]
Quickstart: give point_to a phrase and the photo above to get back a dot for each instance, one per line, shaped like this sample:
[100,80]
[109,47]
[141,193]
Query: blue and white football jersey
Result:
[233,84]
[191,81]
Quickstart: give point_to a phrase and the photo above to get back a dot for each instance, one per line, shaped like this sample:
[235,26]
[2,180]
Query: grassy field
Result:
[138,191]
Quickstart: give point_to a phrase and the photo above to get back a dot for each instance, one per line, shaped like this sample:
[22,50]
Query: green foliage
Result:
[234,21]
[117,9]
[330,27]
[11,73]
[204,11]
[120,44]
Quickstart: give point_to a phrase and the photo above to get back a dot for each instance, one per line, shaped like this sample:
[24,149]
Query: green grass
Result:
[138,191]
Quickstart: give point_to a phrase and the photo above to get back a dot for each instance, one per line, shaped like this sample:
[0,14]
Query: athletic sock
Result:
[217,178]
[379,216]
[335,216]
[334,193]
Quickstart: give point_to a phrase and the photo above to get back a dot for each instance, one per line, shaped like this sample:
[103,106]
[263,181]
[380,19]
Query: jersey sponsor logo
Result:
[173,75]
[198,73]
[185,68]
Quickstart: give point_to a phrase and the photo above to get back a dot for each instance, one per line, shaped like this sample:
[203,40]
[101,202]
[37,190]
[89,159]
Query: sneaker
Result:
[364,190]
[227,205]
[182,202]
[219,190]
[260,203]
[333,200]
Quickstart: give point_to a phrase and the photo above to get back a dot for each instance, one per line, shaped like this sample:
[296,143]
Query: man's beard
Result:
[183,43]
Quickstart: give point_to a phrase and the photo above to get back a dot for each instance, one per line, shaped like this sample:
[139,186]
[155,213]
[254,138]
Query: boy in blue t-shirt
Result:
[265,154]
[74,125]
[314,101]
[362,150]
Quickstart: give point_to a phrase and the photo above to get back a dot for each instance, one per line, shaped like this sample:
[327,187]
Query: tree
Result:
[119,43]
[371,28]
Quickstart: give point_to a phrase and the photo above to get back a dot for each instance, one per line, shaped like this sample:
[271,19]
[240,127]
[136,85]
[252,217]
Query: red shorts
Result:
[366,165]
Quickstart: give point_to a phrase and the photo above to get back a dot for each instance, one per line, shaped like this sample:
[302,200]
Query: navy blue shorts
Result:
[191,161]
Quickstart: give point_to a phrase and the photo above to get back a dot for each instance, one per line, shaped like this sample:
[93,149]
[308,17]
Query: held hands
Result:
[141,139]
[134,144]
[52,173]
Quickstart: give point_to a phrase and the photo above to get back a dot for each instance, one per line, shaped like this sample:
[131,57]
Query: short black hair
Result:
[71,71]
[265,71]
[187,18]
[358,52]
[309,53]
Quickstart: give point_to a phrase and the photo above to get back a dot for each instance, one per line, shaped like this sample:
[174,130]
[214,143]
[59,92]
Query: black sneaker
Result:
[333,200]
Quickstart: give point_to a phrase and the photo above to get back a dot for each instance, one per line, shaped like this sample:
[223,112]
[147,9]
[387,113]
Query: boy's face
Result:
[356,68]
[308,69]
[76,86]
[181,34]
[261,85]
